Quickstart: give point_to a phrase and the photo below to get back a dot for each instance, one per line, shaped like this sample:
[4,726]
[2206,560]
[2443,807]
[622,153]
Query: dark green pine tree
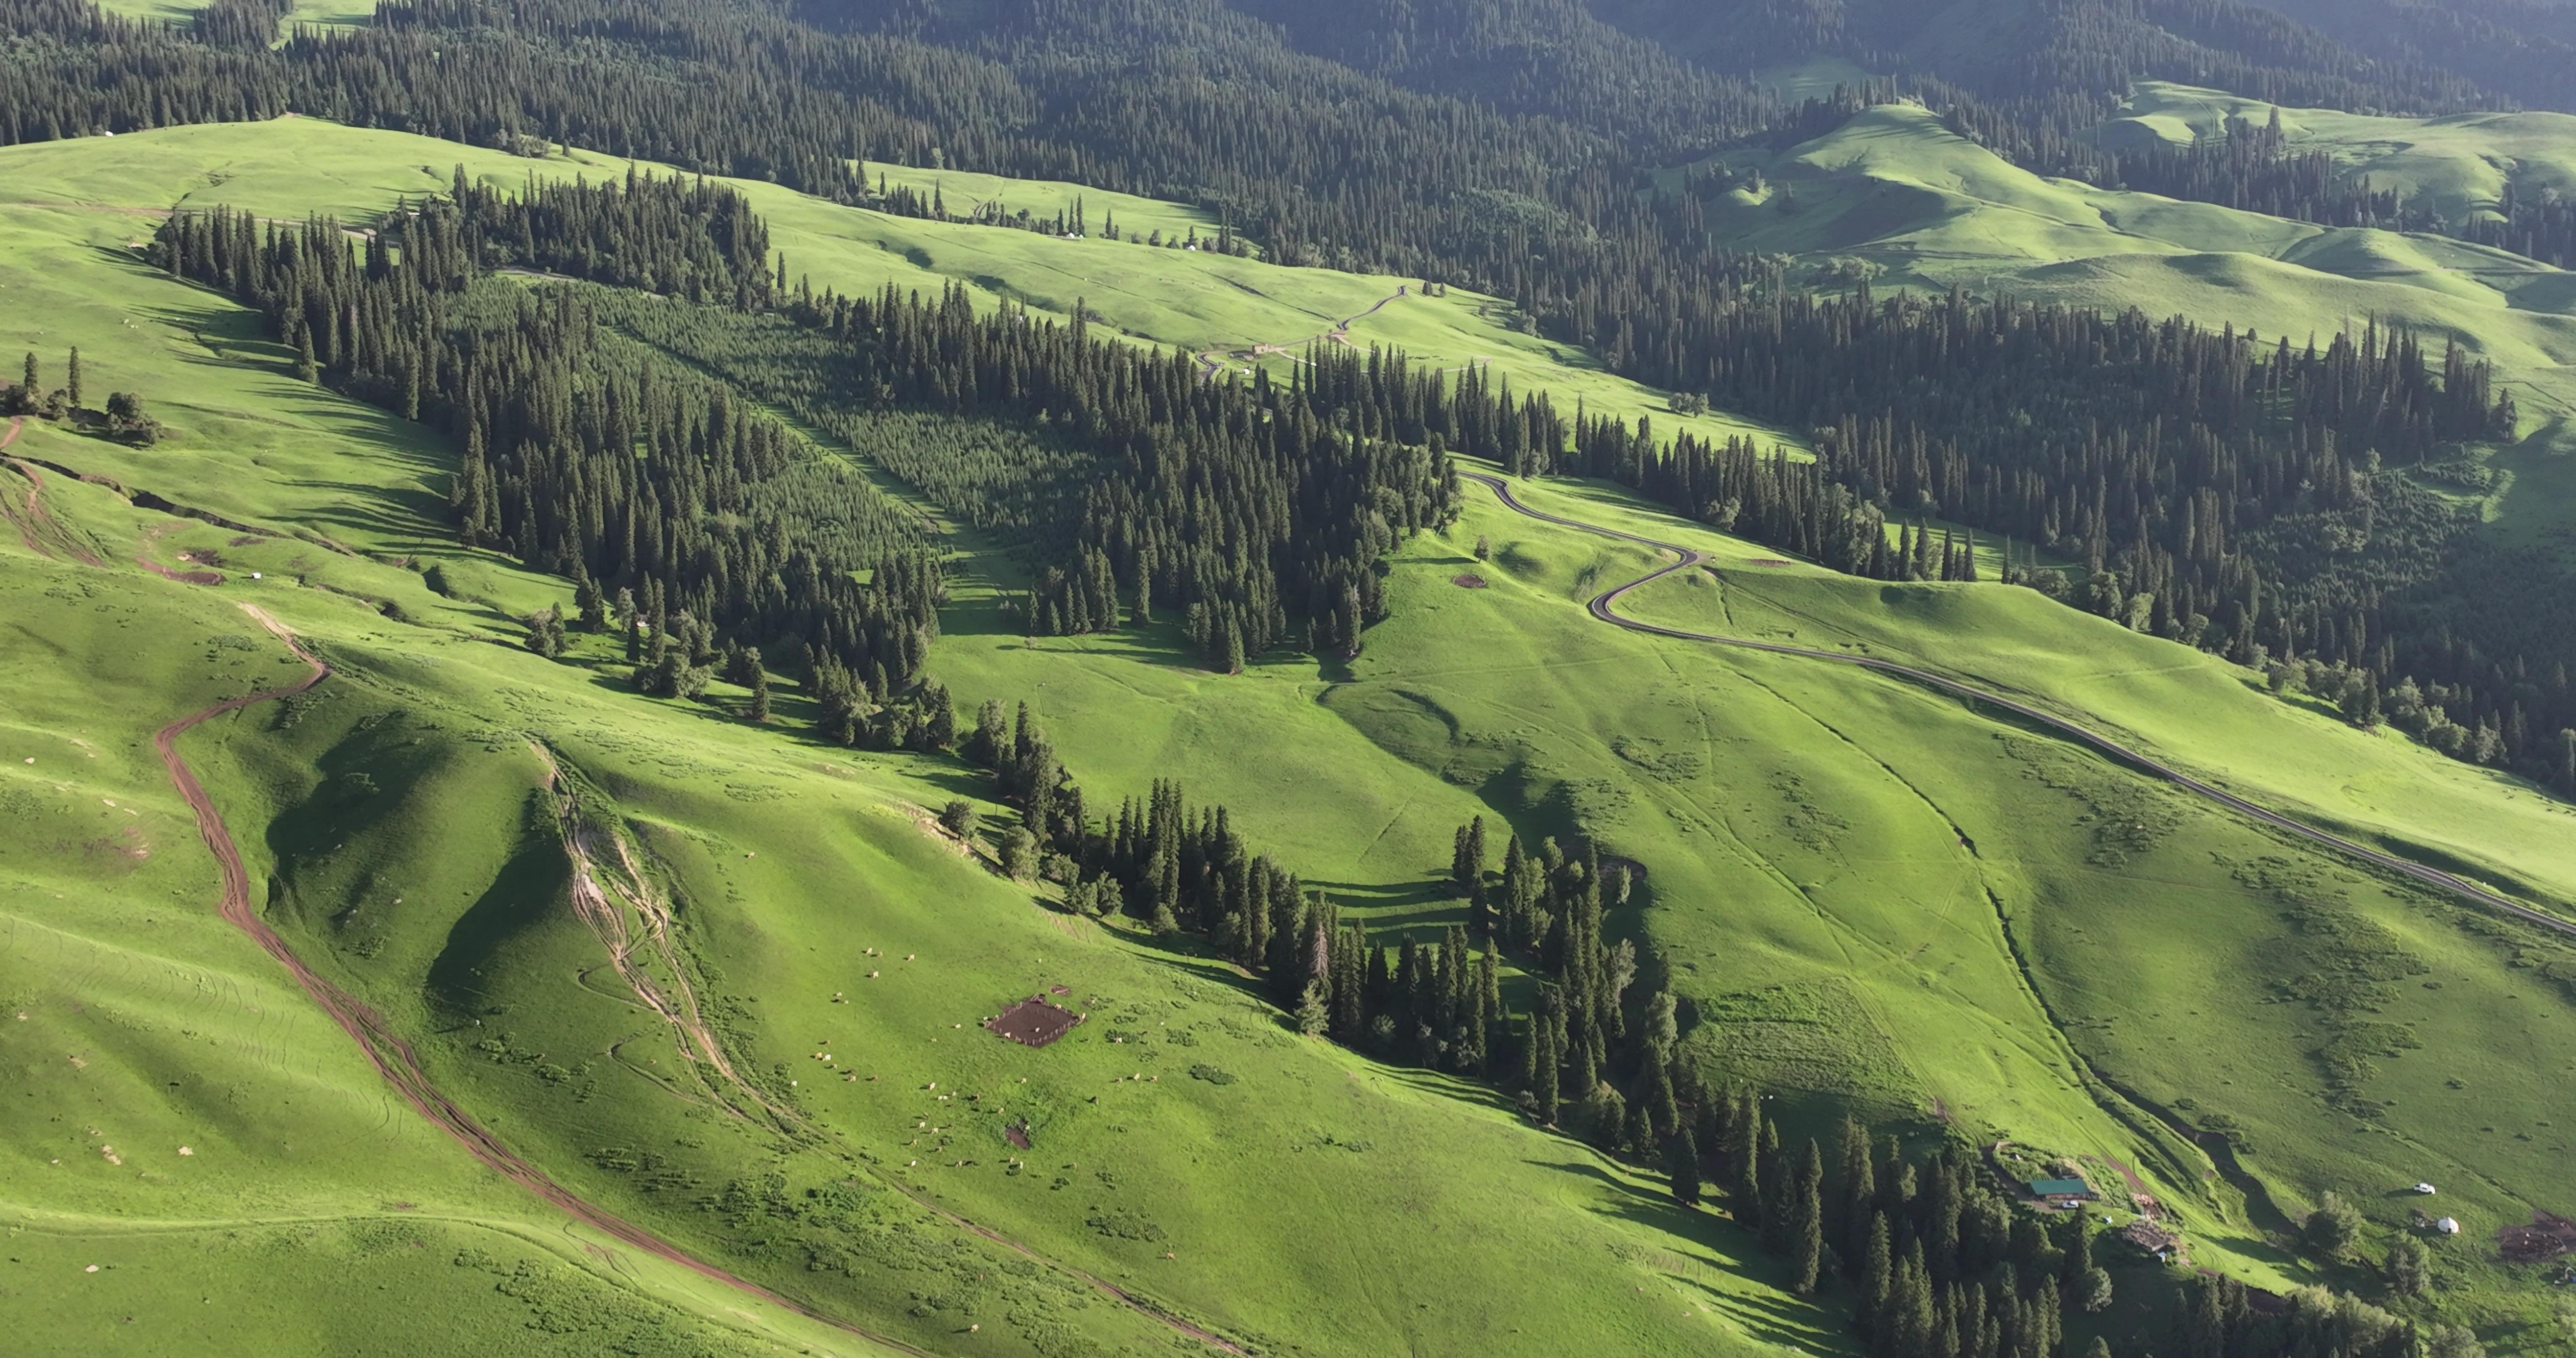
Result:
[759,710]
[71,378]
[1877,1270]
[1848,1225]
[1681,1161]
[1807,1240]
[1744,1150]
[1779,1189]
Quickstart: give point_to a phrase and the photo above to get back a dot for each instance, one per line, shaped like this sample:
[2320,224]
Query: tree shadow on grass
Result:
[1725,1248]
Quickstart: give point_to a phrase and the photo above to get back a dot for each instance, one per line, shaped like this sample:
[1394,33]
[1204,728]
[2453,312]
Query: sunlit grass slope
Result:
[180,1118]
[1846,869]
[2461,162]
[1870,896]
[399,831]
[1206,303]
[1896,189]
[324,13]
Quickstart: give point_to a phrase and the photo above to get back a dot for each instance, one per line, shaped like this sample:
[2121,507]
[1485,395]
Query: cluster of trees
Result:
[27,395]
[580,456]
[2219,1317]
[1073,222]
[2253,168]
[1942,1260]
[2246,497]
[1238,508]
[126,418]
[2539,225]
[674,237]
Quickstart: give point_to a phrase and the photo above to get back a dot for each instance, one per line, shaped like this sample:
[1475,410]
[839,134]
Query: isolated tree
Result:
[958,818]
[759,709]
[2405,1269]
[72,378]
[2332,1228]
[546,631]
[1681,1161]
[1849,1223]
[2452,1341]
[1877,1264]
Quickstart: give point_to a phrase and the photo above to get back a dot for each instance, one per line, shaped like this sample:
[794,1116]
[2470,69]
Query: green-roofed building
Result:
[2061,1190]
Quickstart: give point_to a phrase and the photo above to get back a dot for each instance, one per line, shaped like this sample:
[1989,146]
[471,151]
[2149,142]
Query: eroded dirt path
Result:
[392,1057]
[37,527]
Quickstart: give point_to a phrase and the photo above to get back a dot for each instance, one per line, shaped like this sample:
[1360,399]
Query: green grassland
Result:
[322,13]
[398,831]
[1870,896]
[2461,163]
[1202,302]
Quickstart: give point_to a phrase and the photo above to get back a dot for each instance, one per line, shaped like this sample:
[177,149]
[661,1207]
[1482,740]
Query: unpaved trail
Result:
[1212,361]
[392,1057]
[395,1060]
[37,527]
[144,559]
[602,899]
[1688,558]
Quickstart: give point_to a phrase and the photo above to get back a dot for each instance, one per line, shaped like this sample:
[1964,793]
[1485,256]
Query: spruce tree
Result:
[1807,1243]
[759,694]
[72,378]
[1779,1189]
[1849,1224]
[1312,1013]
[1877,1267]
[1681,1162]
[1744,1191]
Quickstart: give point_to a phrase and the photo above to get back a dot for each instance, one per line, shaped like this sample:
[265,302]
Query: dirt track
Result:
[392,1057]
[1339,334]
[1601,608]
[37,527]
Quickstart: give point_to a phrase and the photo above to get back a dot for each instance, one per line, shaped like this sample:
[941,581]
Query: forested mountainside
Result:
[2064,701]
[2518,48]
[1498,147]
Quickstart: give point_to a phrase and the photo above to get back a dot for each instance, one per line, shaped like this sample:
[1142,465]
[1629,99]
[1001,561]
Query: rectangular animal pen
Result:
[1033,1022]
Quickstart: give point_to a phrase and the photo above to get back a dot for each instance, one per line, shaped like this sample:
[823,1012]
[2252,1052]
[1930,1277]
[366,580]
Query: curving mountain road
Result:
[2386,862]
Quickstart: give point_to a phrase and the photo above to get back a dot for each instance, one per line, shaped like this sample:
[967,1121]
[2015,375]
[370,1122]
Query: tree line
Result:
[578,457]
[2262,500]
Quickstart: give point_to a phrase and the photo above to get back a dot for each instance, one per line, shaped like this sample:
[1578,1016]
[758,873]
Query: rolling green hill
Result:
[1869,897]
[2461,162]
[400,832]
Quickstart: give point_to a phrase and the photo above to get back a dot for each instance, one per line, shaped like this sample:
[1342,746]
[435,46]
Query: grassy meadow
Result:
[399,831]
[1868,896]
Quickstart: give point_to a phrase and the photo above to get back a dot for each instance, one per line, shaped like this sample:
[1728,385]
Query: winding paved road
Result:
[2386,862]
